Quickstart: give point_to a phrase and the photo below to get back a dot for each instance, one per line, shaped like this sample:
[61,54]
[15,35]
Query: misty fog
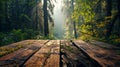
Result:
[59,20]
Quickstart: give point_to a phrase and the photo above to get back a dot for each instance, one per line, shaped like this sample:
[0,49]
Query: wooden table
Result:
[58,53]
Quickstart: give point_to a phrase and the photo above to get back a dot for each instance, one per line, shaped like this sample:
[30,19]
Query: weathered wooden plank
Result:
[73,57]
[54,58]
[68,57]
[39,59]
[19,57]
[35,44]
[14,47]
[39,54]
[55,47]
[102,56]
[53,61]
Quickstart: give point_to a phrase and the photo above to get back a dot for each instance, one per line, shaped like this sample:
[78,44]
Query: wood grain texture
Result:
[44,55]
[102,56]
[20,56]
[59,53]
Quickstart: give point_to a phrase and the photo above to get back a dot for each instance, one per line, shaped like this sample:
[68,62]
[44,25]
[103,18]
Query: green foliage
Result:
[94,23]
[114,39]
[84,8]
[30,33]
[17,35]
[5,39]
[47,37]
[25,16]
[85,37]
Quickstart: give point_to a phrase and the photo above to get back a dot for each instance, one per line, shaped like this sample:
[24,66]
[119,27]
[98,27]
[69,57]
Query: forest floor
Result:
[59,53]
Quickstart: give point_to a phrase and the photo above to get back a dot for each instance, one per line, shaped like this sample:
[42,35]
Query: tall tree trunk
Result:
[108,14]
[7,27]
[75,31]
[74,23]
[118,16]
[36,19]
[18,23]
[46,28]
[118,7]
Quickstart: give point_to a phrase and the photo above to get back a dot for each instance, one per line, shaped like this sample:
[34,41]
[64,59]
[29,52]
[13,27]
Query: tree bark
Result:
[46,28]
[109,24]
[75,31]
[7,28]
[74,23]
[36,19]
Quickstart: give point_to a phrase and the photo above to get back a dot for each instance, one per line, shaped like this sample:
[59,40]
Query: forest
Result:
[59,33]
[60,19]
